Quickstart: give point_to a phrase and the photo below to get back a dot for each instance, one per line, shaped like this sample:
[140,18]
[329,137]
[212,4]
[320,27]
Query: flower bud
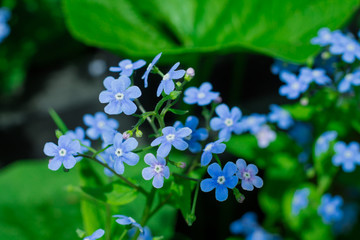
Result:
[190,219]
[325,55]
[218,100]
[304,101]
[58,133]
[126,135]
[240,198]
[190,73]
[174,94]
[181,165]
[138,133]
[178,84]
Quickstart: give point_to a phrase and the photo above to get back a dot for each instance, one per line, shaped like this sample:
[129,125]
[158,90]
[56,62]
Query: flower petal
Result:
[207,185]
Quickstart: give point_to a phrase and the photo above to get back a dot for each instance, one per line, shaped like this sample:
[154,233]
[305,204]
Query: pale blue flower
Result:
[323,142]
[324,37]
[201,96]
[347,47]
[300,200]
[149,68]
[124,220]
[330,208]
[317,75]
[126,67]
[294,86]
[280,116]
[216,147]
[96,235]
[350,79]
[246,225]
[346,156]
[253,122]
[98,124]
[247,175]
[157,170]
[167,84]
[265,136]
[79,134]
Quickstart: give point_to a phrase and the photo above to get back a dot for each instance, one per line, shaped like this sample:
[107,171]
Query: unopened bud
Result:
[240,198]
[218,100]
[325,55]
[190,219]
[190,73]
[304,101]
[58,133]
[126,135]
[181,165]
[178,84]
[81,233]
[174,94]
[138,133]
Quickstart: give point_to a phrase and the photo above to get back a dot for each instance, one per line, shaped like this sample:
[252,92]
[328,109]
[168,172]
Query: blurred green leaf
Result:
[178,111]
[300,112]
[278,28]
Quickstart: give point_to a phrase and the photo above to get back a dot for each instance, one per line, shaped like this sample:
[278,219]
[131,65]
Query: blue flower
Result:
[149,68]
[347,156]
[109,160]
[324,37]
[157,170]
[62,153]
[279,66]
[300,200]
[294,86]
[171,137]
[124,220]
[108,137]
[330,208]
[253,122]
[119,95]
[227,122]
[121,152]
[246,225]
[216,147]
[145,235]
[126,67]
[280,116]
[196,135]
[261,234]
[265,136]
[347,47]
[221,180]
[317,75]
[96,235]
[350,79]
[79,134]
[323,142]
[98,124]
[247,175]
[167,83]
[202,96]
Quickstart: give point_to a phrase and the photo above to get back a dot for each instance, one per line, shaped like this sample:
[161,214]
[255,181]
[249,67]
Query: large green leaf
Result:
[279,28]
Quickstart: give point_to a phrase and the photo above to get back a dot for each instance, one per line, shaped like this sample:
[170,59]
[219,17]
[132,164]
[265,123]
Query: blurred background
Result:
[57,53]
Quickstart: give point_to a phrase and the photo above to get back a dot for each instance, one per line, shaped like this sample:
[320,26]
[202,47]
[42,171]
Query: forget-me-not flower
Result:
[108,157]
[98,124]
[126,67]
[317,75]
[149,68]
[119,96]
[350,79]
[253,122]
[167,84]
[323,142]
[62,153]
[280,116]
[247,175]
[216,147]
[247,224]
[96,235]
[347,156]
[347,47]
[145,235]
[196,135]
[221,180]
[171,137]
[265,136]
[79,134]
[201,96]
[300,200]
[121,152]
[324,37]
[227,121]
[124,220]
[157,170]
[294,86]
[330,208]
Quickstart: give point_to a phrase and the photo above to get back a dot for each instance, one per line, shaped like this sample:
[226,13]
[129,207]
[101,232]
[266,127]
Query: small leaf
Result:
[58,121]
[178,111]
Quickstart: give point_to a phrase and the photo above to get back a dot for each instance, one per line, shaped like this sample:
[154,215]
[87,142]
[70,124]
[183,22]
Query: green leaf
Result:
[279,28]
[244,146]
[300,112]
[115,193]
[58,121]
[178,111]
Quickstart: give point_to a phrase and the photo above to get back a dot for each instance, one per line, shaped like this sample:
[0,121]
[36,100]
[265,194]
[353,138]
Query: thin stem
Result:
[142,149]
[195,199]
[123,235]
[160,205]
[217,159]
[100,151]
[186,177]
[142,109]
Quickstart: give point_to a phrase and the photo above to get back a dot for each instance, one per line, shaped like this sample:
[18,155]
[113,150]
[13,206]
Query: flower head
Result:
[216,147]
[126,67]
[202,96]
[167,83]
[157,170]
[79,134]
[227,121]
[149,68]
[347,47]
[247,175]
[323,142]
[294,86]
[145,235]
[196,135]
[220,180]
[350,79]
[280,116]
[171,137]
[246,225]
[317,75]
[265,136]
[324,37]
[253,122]
[119,95]
[124,220]
[62,153]
[121,152]
[330,208]
[98,124]
[96,235]
[300,200]
[347,156]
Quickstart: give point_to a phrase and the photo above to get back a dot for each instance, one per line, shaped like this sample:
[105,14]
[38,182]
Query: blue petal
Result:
[180,144]
[205,158]
[54,164]
[128,107]
[207,185]
[164,149]
[148,173]
[119,167]
[214,170]
[69,162]
[221,193]
[158,181]
[50,149]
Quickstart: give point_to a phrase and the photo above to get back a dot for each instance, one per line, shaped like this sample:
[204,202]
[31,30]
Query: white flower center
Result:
[251,120]
[208,147]
[246,175]
[201,95]
[170,137]
[119,96]
[321,140]
[330,209]
[101,124]
[166,77]
[62,152]
[316,73]
[229,122]
[348,154]
[188,137]
[129,66]
[119,152]
[348,77]
[350,47]
[158,168]
[221,180]
[295,85]
[327,37]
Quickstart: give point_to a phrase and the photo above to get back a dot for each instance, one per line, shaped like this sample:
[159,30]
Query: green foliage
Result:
[278,28]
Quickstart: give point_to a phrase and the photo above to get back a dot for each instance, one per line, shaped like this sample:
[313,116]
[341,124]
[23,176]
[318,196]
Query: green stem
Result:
[217,159]
[123,235]
[195,199]
[142,109]
[108,222]
[101,150]
[186,177]
[160,205]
